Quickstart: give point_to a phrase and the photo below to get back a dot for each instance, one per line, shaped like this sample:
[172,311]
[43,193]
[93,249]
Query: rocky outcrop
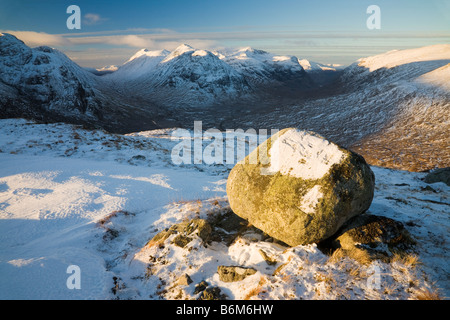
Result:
[439,175]
[374,237]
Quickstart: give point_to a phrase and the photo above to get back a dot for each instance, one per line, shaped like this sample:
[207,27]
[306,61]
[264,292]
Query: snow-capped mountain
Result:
[183,76]
[189,75]
[321,74]
[43,82]
[141,63]
[103,70]
[266,69]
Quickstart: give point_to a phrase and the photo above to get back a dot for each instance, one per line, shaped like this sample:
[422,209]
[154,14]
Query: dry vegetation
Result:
[416,142]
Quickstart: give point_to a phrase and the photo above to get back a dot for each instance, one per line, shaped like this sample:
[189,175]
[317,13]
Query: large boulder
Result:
[300,188]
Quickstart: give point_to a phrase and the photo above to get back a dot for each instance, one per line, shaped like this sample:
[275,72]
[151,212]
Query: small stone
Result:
[184,280]
[213,293]
[201,286]
[181,240]
[234,273]
[269,260]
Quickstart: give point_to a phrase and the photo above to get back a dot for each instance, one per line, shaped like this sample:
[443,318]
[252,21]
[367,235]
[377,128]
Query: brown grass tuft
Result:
[257,290]
[407,259]
[359,255]
[427,294]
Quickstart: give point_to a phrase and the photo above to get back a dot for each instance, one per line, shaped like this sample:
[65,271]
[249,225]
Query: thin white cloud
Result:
[93,19]
[35,39]
[134,41]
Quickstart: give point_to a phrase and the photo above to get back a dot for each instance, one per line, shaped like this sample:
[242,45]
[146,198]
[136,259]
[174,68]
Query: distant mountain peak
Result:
[252,50]
[184,47]
[180,50]
[149,53]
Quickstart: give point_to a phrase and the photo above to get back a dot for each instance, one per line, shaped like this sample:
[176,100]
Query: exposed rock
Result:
[181,240]
[183,231]
[184,280]
[267,259]
[213,293]
[226,226]
[234,273]
[439,175]
[300,188]
[376,236]
[201,286]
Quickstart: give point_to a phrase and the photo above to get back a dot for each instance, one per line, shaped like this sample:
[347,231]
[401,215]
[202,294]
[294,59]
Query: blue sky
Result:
[323,31]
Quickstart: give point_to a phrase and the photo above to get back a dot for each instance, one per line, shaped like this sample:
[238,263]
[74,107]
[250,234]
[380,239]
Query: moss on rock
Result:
[377,237]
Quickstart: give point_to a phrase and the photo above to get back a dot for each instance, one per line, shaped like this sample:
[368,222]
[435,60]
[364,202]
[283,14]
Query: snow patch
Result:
[438,78]
[303,155]
[200,53]
[23,262]
[311,199]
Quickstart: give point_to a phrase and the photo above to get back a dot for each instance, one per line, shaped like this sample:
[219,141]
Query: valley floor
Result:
[69,196]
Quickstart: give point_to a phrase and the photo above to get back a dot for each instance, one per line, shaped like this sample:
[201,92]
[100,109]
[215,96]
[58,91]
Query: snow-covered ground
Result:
[69,196]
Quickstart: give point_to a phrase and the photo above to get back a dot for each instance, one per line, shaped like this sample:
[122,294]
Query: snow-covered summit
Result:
[149,53]
[180,50]
[396,58]
[248,57]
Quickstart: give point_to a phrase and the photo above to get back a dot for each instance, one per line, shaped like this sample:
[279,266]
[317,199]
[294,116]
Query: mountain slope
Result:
[411,87]
[144,61]
[391,108]
[45,85]
[43,82]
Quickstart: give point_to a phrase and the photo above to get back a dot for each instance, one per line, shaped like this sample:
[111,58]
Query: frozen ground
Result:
[88,198]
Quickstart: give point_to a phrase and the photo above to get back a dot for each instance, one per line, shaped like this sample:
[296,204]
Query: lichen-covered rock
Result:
[300,188]
[183,230]
[379,237]
[212,293]
[234,273]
